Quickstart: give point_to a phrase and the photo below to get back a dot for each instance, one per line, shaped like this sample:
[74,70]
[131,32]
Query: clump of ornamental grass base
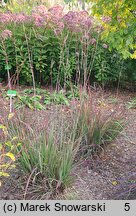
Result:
[47,157]
[96,129]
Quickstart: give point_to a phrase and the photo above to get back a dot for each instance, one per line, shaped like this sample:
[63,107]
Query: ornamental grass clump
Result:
[95,129]
[46,156]
[47,153]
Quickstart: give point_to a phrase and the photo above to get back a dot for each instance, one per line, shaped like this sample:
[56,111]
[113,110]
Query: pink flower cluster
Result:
[105,46]
[53,17]
[41,9]
[78,21]
[21,18]
[41,16]
[6,34]
[56,19]
[93,41]
[6,18]
[39,21]
[56,11]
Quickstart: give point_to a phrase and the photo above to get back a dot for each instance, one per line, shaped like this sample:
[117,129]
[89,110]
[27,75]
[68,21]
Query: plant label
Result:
[12,93]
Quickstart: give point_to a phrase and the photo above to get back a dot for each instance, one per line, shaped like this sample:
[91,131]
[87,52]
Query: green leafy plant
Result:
[31,102]
[118,24]
[36,55]
[56,98]
[108,66]
[74,93]
[38,91]
[112,100]
[131,104]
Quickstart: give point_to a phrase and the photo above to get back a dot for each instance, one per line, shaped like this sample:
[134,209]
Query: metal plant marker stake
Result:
[11,94]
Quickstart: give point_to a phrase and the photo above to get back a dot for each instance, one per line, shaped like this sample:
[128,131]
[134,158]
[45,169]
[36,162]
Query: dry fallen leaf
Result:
[114,183]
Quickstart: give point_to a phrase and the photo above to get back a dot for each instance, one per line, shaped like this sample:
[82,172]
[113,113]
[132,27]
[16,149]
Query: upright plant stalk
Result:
[30,61]
[16,80]
[66,75]
[61,61]
[60,64]
[90,67]
[77,54]
[84,57]
[7,64]
[85,61]
[51,73]
[120,72]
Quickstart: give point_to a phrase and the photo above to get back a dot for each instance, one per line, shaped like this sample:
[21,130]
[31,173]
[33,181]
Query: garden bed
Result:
[109,174]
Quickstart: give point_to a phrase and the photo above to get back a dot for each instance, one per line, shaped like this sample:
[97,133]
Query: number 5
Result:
[127,207]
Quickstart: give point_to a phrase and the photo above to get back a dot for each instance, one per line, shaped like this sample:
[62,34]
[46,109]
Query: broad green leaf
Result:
[8,67]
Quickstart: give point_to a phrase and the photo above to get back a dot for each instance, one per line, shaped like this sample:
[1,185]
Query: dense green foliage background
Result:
[59,52]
